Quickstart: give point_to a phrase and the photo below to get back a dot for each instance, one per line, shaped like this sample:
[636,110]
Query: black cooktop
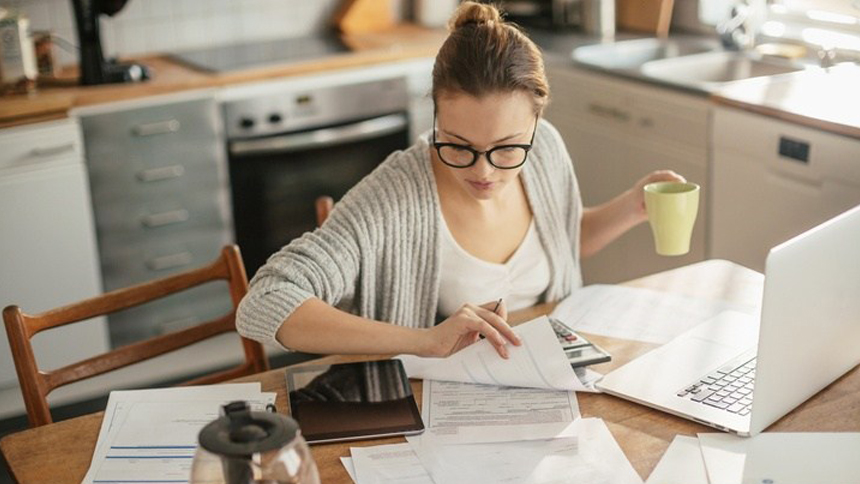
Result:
[265,53]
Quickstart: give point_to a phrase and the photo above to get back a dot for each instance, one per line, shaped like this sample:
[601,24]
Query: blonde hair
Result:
[484,55]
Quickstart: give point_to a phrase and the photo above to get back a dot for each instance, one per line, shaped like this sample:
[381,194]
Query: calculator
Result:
[579,351]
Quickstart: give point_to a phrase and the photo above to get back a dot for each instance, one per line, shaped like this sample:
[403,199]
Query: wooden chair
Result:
[324,207]
[36,384]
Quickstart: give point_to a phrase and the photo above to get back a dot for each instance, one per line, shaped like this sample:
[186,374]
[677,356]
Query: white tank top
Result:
[467,279]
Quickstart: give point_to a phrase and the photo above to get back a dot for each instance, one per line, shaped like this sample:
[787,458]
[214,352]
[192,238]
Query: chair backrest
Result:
[36,384]
[324,207]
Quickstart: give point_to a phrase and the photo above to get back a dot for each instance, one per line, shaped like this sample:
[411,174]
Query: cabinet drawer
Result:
[140,181]
[677,119]
[30,146]
[151,133]
[171,216]
[588,101]
[125,265]
[172,313]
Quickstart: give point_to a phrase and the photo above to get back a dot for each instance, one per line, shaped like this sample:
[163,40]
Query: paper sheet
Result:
[592,456]
[388,464]
[782,458]
[151,435]
[455,412]
[682,463]
[637,314]
[349,466]
[539,362]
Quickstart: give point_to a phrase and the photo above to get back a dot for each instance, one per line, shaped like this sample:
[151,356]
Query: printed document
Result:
[455,412]
[591,455]
[539,362]
[151,435]
[388,464]
[637,314]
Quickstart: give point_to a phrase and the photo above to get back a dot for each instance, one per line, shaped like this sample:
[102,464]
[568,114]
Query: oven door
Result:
[276,179]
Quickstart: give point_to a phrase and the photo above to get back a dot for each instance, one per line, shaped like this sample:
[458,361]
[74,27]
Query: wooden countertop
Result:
[826,99]
[401,42]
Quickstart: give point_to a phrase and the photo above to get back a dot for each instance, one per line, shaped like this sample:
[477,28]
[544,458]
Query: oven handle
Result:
[321,138]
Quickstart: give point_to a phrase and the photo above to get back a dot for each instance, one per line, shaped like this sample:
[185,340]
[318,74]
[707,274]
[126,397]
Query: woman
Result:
[487,207]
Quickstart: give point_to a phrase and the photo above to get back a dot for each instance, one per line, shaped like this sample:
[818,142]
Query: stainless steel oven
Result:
[287,149]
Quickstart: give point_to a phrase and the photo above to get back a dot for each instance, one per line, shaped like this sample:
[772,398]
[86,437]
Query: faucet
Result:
[827,57]
[734,34]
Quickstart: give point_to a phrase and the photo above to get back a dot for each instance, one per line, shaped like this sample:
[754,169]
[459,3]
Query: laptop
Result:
[739,373]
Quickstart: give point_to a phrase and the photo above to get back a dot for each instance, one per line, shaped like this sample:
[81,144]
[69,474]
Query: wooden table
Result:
[61,452]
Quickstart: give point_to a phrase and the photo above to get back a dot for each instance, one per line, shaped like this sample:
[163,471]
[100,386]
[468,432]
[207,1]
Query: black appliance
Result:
[93,66]
[288,147]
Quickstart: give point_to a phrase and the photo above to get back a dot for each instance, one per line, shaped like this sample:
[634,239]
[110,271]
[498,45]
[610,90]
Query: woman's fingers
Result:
[498,323]
[493,336]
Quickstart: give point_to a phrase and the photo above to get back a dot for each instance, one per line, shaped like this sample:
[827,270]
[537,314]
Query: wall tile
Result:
[170,25]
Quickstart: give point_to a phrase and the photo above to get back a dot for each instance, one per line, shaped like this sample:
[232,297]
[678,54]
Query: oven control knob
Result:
[275,118]
[246,123]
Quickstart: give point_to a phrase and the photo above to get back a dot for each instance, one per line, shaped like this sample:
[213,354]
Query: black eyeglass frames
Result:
[503,157]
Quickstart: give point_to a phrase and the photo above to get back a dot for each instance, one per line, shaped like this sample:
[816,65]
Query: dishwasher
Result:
[772,180]
[48,250]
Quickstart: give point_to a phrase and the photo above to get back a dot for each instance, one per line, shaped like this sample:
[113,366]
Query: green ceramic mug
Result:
[672,209]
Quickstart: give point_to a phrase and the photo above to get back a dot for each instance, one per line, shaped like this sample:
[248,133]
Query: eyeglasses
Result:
[503,157]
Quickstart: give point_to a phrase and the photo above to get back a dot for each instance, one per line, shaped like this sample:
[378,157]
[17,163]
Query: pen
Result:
[496,308]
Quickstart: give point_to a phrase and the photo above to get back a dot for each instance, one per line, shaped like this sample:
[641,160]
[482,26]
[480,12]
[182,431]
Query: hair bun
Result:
[473,13]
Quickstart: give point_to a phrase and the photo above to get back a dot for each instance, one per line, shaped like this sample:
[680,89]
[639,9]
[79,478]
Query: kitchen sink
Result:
[630,54]
[694,63]
[708,70]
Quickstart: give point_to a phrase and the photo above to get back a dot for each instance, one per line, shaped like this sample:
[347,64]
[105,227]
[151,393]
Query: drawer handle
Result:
[162,173]
[608,112]
[164,218]
[160,127]
[169,261]
[53,150]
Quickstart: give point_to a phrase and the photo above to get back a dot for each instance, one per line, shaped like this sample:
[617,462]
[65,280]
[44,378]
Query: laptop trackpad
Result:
[663,371]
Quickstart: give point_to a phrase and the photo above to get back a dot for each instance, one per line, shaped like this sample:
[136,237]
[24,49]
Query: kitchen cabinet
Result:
[48,254]
[160,194]
[782,180]
[618,131]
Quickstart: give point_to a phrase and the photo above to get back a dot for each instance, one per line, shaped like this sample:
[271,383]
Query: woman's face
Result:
[482,124]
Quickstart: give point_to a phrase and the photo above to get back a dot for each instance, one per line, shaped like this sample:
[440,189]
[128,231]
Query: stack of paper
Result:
[491,420]
[151,435]
[638,314]
[589,454]
[771,457]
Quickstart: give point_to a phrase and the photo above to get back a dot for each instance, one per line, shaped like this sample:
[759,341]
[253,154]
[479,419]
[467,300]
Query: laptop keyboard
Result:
[728,388]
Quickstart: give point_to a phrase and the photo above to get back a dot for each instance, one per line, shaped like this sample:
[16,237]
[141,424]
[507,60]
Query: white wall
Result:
[171,25]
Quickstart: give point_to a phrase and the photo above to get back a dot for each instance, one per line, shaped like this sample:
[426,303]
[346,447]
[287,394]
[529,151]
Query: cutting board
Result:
[363,16]
[645,16]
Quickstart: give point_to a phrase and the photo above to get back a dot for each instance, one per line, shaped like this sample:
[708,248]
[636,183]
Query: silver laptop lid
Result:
[810,323]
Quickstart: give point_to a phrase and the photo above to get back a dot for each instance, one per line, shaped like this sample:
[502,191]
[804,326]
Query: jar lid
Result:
[242,432]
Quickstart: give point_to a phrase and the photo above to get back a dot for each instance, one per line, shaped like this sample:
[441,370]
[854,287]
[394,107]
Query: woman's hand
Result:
[637,195]
[466,327]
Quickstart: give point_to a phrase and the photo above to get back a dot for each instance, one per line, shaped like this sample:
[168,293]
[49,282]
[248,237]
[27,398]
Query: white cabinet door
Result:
[616,132]
[48,254]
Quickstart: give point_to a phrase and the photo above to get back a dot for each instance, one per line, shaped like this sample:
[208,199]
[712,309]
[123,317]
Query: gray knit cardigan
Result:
[377,255]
